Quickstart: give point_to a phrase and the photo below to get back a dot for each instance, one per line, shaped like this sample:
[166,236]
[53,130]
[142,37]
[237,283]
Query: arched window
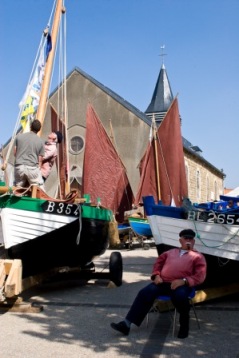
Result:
[215,190]
[198,185]
[77,144]
[187,173]
[208,189]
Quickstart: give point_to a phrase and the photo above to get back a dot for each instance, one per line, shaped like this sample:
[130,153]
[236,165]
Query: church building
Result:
[130,129]
[205,181]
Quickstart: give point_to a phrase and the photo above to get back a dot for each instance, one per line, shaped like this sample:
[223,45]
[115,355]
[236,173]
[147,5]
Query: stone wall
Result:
[204,182]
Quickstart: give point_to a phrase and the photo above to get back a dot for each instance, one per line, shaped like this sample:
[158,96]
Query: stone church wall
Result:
[204,183]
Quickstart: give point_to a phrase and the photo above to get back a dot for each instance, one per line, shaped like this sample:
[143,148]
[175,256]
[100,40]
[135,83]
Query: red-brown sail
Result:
[172,174]
[104,175]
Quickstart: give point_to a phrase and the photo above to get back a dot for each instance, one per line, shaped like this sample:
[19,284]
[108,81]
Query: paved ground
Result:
[75,321]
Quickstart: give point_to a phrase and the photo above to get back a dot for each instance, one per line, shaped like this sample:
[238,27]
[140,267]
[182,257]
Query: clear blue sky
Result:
[118,43]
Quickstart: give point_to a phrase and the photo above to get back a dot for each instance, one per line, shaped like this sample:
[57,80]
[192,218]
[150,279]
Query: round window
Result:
[76,144]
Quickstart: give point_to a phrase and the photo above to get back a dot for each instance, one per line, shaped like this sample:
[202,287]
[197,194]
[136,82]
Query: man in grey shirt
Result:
[29,151]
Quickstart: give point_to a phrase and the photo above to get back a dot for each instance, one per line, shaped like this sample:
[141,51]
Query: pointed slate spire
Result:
[162,97]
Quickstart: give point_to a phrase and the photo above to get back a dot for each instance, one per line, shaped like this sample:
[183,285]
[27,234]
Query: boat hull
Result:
[219,238]
[212,239]
[45,241]
[59,248]
[218,242]
[140,226]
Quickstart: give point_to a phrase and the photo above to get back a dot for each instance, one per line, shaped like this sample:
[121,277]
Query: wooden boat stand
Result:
[11,287]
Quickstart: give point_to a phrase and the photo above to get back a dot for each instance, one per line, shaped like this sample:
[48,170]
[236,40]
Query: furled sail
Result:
[168,154]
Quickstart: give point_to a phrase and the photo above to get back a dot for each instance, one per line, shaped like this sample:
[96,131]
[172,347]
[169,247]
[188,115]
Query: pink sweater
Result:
[171,266]
[48,159]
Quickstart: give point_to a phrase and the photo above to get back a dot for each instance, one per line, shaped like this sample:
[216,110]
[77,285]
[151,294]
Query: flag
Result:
[48,45]
[38,75]
[27,112]
[31,98]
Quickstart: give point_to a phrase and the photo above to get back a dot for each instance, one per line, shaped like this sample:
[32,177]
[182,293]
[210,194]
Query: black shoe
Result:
[121,327]
[182,333]
[184,325]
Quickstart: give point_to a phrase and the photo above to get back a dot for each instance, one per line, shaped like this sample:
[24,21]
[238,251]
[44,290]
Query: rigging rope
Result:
[40,47]
[62,110]
[216,246]
[63,113]
[122,166]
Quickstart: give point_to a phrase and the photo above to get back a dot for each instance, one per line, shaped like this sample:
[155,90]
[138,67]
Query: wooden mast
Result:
[59,10]
[156,158]
[47,75]
[48,70]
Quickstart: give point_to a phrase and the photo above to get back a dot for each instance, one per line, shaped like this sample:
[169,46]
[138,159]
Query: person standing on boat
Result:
[29,151]
[174,274]
[50,153]
[230,204]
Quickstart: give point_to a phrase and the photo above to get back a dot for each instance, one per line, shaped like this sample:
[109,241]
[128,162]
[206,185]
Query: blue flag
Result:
[48,45]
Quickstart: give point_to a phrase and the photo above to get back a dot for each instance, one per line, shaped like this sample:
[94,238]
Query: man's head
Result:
[186,239]
[36,126]
[55,137]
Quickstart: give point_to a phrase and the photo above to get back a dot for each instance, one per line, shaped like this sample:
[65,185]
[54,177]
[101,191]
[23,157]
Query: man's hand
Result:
[176,283]
[157,280]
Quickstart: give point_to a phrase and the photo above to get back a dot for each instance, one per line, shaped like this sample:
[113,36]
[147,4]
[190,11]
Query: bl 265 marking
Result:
[214,217]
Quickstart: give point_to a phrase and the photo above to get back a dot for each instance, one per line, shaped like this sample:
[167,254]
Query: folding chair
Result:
[167,300]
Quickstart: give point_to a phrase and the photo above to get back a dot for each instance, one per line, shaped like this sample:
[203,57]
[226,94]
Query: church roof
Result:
[113,94]
[162,95]
[165,102]
[159,105]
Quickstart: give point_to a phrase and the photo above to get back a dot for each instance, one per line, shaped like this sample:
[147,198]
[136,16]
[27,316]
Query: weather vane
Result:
[162,53]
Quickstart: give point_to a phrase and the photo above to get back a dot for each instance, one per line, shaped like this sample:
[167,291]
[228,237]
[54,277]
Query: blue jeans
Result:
[146,296]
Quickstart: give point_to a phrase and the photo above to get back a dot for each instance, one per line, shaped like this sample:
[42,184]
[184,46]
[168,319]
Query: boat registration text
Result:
[214,217]
[60,208]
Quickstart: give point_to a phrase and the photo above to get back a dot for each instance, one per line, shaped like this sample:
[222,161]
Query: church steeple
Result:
[162,97]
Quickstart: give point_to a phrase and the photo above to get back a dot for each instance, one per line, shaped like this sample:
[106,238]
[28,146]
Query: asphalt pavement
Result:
[76,316]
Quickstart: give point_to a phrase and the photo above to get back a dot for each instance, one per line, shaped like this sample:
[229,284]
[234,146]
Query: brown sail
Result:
[171,173]
[104,175]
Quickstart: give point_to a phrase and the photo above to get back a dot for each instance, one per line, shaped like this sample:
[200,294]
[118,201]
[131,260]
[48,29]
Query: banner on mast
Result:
[31,98]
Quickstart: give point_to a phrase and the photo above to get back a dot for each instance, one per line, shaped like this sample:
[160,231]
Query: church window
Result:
[208,189]
[215,190]
[77,144]
[198,184]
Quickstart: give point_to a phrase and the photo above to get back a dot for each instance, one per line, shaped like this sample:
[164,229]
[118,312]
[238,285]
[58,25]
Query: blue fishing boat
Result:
[140,226]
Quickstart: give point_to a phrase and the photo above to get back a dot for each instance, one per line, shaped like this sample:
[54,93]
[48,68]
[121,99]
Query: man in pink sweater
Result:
[50,153]
[174,274]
